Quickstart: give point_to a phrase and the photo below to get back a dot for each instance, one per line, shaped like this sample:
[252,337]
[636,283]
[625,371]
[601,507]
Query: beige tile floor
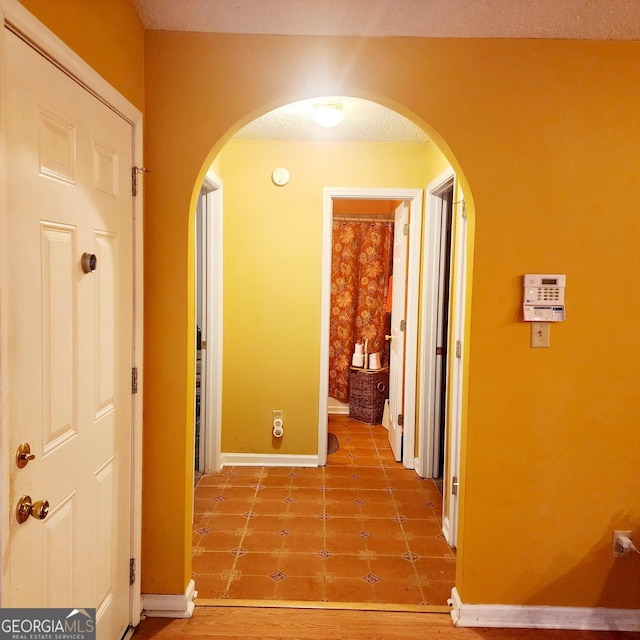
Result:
[361,529]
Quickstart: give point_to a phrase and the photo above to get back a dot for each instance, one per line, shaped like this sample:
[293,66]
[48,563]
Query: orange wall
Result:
[545,135]
[108,35]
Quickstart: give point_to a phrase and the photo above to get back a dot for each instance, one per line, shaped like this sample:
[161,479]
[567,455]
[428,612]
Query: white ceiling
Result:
[364,120]
[575,19]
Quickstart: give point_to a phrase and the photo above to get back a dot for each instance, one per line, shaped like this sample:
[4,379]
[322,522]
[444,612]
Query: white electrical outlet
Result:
[540,334]
[618,551]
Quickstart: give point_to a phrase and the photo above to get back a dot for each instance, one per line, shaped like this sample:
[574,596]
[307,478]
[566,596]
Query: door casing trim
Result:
[415,197]
[430,273]
[211,418]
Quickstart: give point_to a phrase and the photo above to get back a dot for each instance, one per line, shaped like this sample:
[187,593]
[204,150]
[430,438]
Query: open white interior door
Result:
[69,328]
[452,455]
[397,348]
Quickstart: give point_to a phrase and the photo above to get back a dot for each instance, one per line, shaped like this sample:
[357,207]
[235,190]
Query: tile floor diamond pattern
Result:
[277,576]
[361,529]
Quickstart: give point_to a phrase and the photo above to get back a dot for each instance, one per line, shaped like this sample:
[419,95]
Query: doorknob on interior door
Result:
[39,510]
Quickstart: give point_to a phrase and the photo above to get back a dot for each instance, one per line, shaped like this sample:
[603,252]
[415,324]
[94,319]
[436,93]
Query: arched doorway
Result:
[249,243]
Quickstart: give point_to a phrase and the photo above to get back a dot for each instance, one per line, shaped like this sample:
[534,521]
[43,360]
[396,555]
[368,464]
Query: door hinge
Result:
[203,344]
[403,325]
[458,348]
[401,419]
[134,179]
[132,570]
[464,210]
[405,229]
[454,486]
[134,380]
[439,351]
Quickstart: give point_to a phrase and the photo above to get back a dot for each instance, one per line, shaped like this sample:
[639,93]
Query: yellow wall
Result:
[272,277]
[544,134]
[106,34]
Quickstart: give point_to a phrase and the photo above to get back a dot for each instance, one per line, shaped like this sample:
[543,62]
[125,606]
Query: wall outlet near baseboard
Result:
[618,550]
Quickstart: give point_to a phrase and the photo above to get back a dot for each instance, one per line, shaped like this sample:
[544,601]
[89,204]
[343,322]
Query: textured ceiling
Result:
[575,19]
[364,121]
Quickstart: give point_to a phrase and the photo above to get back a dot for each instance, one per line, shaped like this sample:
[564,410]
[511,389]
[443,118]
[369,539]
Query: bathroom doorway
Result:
[408,203]
[361,268]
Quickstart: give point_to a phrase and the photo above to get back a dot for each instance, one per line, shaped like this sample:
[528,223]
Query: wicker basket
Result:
[368,390]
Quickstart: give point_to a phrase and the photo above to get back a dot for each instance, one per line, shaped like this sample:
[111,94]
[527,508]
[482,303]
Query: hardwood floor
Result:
[264,623]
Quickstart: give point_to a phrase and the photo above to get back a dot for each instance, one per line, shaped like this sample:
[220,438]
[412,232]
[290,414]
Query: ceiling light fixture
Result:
[328,114]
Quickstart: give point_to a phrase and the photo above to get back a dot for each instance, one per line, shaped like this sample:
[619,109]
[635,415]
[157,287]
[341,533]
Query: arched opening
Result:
[275,234]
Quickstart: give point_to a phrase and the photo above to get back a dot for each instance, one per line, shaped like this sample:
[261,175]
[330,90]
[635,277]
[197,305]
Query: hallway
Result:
[361,529]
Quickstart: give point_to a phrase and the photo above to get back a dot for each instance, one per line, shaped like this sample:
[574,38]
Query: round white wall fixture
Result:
[280,176]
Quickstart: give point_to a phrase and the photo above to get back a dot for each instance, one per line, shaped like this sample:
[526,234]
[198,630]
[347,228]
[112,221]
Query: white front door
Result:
[67,371]
[397,349]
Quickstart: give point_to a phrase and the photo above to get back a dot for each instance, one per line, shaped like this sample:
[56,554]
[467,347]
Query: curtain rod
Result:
[362,217]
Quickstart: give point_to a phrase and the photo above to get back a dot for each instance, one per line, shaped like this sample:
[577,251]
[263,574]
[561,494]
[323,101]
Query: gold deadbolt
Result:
[25,508]
[89,262]
[23,455]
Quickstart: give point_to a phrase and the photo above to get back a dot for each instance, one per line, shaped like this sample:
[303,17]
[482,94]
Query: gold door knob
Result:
[25,508]
[388,337]
[23,455]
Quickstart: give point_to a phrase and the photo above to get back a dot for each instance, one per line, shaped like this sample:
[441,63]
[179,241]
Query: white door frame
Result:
[17,19]
[414,197]
[211,416]
[429,327]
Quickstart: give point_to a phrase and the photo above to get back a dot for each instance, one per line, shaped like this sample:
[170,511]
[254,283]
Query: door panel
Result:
[396,351]
[70,335]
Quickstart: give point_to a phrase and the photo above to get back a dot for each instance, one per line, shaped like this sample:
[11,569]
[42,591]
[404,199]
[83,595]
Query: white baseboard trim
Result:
[170,606]
[542,617]
[337,408]
[268,460]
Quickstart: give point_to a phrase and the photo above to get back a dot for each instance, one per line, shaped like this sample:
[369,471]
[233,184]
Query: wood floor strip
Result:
[249,623]
[336,606]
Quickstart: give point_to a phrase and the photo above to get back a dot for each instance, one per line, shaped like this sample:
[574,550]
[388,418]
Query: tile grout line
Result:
[404,533]
[242,537]
[324,534]
[281,555]
[406,541]
[376,451]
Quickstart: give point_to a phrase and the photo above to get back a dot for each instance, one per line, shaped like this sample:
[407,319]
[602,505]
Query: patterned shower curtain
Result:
[361,265]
